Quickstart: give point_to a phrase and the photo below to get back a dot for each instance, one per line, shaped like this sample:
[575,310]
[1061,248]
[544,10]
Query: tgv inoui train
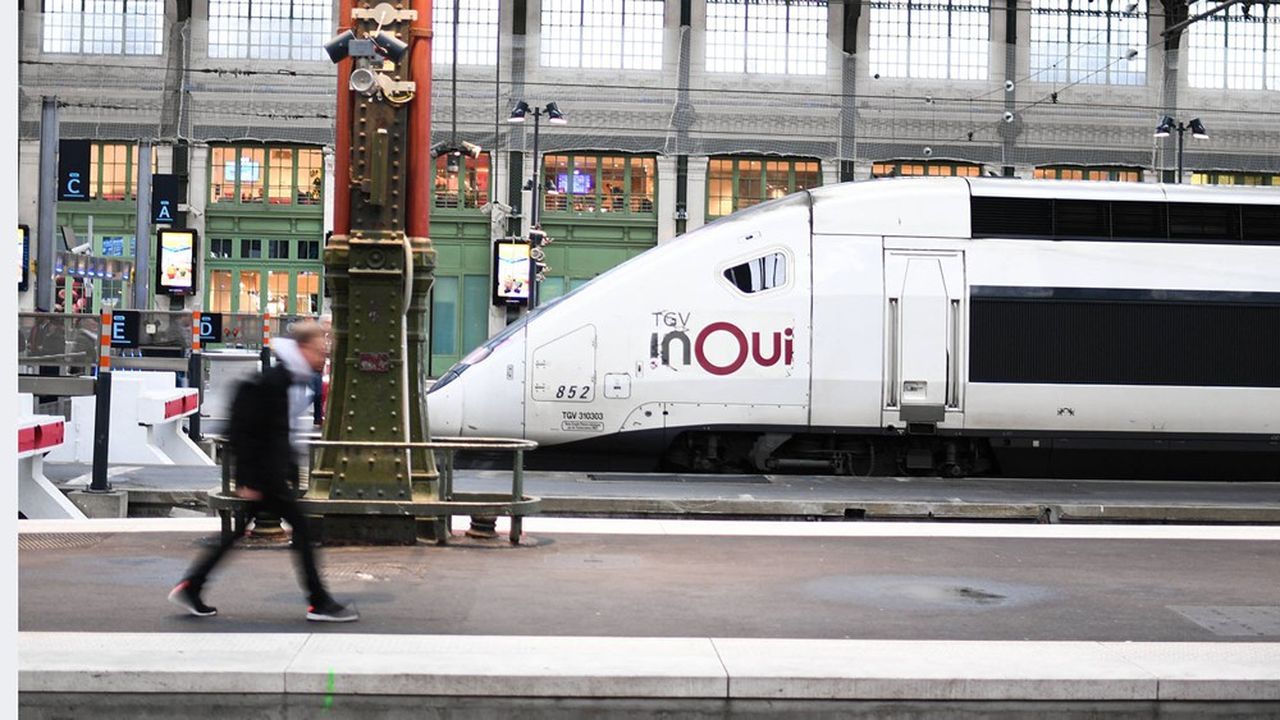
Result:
[947,326]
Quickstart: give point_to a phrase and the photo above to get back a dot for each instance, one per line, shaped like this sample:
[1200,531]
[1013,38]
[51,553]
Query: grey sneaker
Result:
[332,612]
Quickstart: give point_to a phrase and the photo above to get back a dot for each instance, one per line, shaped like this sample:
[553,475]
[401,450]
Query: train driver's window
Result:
[760,274]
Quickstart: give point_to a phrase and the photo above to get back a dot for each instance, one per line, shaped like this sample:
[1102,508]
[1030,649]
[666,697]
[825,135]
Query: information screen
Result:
[175,269]
[512,272]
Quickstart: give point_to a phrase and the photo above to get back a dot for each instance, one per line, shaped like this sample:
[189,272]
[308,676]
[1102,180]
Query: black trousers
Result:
[304,555]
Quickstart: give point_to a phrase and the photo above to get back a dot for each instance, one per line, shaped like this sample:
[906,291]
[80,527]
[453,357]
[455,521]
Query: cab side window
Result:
[760,274]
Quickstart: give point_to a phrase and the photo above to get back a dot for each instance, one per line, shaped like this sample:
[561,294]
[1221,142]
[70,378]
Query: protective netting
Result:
[845,113]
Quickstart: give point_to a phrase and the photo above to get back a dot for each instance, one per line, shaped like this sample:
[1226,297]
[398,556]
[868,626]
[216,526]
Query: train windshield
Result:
[483,351]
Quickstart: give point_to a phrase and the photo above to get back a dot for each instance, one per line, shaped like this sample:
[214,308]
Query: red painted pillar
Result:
[342,136]
[420,165]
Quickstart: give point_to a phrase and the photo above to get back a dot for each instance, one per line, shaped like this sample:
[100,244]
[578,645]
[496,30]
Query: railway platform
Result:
[647,618]
[156,490]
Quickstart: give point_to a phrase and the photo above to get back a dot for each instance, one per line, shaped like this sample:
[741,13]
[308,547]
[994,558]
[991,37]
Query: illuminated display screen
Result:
[512,273]
[175,271]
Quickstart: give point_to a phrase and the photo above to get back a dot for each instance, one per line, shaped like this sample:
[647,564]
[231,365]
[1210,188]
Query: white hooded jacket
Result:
[300,395]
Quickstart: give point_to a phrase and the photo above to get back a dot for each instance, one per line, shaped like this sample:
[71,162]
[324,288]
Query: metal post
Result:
[48,204]
[1181,130]
[517,494]
[536,216]
[102,409]
[142,246]
[195,376]
[266,342]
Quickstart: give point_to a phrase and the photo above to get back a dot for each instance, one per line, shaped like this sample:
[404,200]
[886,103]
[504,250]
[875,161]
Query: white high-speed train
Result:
[951,326]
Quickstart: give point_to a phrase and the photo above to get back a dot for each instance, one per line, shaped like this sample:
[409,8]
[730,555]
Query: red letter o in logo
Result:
[702,357]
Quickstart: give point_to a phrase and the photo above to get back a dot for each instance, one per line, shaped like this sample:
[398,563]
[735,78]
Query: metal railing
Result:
[449,501]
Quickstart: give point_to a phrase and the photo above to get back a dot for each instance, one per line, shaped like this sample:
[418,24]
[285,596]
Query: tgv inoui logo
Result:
[764,349]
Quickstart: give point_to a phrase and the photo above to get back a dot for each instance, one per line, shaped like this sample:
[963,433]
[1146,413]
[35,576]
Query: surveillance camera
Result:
[390,45]
[1008,86]
[339,48]
[471,149]
[437,149]
[82,249]
[928,151]
[1008,116]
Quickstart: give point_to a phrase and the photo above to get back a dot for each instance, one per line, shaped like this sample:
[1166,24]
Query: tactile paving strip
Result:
[59,541]
[1233,620]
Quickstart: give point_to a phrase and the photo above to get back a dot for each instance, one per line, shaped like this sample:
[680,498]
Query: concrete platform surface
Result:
[612,667]
[648,618]
[638,578]
[611,494]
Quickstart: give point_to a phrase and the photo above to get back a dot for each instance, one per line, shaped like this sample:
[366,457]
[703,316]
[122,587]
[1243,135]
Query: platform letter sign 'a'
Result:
[73,170]
[164,199]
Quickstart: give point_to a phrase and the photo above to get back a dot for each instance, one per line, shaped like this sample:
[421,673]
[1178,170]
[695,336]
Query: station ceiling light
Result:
[1197,129]
[1165,127]
[518,112]
[554,116]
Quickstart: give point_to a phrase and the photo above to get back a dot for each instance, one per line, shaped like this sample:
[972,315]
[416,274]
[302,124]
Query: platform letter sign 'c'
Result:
[73,170]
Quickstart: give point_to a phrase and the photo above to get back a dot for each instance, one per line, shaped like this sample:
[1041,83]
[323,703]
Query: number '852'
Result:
[573,392]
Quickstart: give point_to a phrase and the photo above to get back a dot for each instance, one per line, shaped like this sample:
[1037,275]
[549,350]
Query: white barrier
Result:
[37,435]
[147,409]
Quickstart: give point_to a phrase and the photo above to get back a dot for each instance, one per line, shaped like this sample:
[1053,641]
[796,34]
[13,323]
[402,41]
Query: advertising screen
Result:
[175,271]
[24,256]
[512,273]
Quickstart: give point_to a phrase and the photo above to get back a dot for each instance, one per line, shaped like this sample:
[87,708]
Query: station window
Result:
[251,249]
[1234,178]
[924,168]
[1089,41]
[944,39]
[307,294]
[103,27]
[599,183]
[270,29]
[276,175]
[308,250]
[477,32]
[608,35]
[113,170]
[250,292]
[465,186]
[763,273]
[780,37]
[1077,172]
[219,291]
[737,183]
[1235,49]
[278,249]
[278,292]
[220,248]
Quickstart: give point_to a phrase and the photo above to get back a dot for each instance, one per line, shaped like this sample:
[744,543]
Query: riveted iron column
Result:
[379,265]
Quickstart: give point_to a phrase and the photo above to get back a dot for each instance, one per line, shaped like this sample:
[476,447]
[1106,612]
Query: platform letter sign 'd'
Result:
[210,327]
[125,325]
[164,199]
[73,170]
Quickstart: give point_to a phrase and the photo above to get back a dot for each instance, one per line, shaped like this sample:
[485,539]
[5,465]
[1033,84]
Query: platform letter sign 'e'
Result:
[73,170]
[125,327]
[164,199]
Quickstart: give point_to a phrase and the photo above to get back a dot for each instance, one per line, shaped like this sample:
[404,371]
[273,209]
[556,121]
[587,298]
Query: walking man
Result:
[263,414]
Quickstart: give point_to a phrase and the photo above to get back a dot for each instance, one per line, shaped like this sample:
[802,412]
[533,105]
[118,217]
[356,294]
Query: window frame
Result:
[788,272]
[898,167]
[469,16]
[764,160]
[295,190]
[550,57]
[127,24]
[601,200]
[1219,56]
[792,56]
[251,27]
[1076,57]
[1115,173]
[908,42]
[440,200]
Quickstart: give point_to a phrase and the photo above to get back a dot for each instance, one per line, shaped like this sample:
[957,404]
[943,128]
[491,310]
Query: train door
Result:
[924,303]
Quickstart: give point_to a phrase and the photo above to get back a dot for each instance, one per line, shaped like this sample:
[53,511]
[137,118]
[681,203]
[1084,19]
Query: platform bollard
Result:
[102,410]
[195,375]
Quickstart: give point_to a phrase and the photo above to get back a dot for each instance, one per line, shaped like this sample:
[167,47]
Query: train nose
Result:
[444,410]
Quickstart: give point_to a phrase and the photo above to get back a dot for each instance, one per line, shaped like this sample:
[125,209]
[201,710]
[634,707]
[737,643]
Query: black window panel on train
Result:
[1139,220]
[764,273]
[1097,337]
[1260,223]
[1011,217]
[1081,218]
[1209,222]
